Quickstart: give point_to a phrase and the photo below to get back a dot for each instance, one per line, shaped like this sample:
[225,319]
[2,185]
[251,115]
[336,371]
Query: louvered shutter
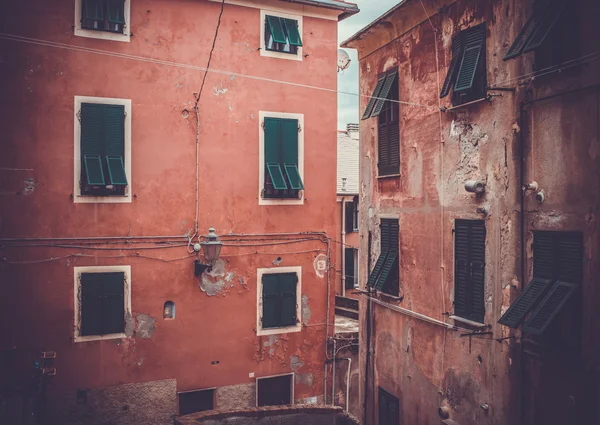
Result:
[289,137]
[374,96]
[469,269]
[114,143]
[274,153]
[477,254]
[544,255]
[102,303]
[91,143]
[388,278]
[387,271]
[93,9]
[275,26]
[570,257]
[461,269]
[116,11]
[529,298]
[545,25]
[287,294]
[549,307]
[377,269]
[473,42]
[453,69]
[383,141]
[270,301]
[293,33]
[114,305]
[526,32]
[394,148]
[349,267]
[390,79]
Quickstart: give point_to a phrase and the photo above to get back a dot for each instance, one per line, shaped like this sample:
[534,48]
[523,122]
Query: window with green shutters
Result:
[282,35]
[385,275]
[102,148]
[467,74]
[103,15]
[279,303]
[282,172]
[102,303]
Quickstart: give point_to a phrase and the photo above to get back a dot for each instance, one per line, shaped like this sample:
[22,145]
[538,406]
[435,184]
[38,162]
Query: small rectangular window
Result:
[103,15]
[467,74]
[282,35]
[275,391]
[385,275]
[350,268]
[469,269]
[102,303]
[196,401]
[279,300]
[389,408]
[282,176]
[351,216]
[102,150]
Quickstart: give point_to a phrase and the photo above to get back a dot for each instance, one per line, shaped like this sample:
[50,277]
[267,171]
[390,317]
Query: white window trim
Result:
[271,5]
[76,282]
[287,329]
[103,35]
[77,197]
[270,54]
[292,382]
[261,155]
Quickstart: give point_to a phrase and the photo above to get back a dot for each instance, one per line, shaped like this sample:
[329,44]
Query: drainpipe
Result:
[348,382]
[333,373]
[343,248]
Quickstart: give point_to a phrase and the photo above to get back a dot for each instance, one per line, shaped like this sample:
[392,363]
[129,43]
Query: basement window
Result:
[385,275]
[557,277]
[196,401]
[467,72]
[275,390]
[469,269]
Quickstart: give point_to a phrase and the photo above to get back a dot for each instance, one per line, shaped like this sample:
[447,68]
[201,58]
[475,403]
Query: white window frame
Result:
[259,290]
[280,55]
[77,307]
[78,198]
[103,35]
[292,383]
[261,155]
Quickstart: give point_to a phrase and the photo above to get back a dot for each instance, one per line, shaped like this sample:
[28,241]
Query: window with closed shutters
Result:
[385,275]
[469,269]
[102,303]
[279,300]
[388,131]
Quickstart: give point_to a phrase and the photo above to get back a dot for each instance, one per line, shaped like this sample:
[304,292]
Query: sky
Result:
[348,80]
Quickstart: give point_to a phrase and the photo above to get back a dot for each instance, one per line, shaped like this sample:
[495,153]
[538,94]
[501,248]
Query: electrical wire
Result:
[47,43]
[93,248]
[46,260]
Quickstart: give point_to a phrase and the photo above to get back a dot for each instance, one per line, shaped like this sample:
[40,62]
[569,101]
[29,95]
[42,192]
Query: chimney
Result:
[352,130]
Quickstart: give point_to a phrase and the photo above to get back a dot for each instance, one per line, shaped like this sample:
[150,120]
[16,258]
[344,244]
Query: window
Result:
[467,73]
[385,276]
[557,275]
[196,401]
[350,267]
[469,269]
[279,300]
[169,310]
[281,35]
[102,150]
[282,165]
[389,408]
[275,391]
[102,299]
[351,215]
[105,19]
[383,104]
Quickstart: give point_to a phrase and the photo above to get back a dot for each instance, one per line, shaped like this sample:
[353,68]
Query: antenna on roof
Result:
[343,60]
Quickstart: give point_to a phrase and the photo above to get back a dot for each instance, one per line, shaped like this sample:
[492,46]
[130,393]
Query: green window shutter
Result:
[570,257]
[477,267]
[293,175]
[550,306]
[115,11]
[92,165]
[545,255]
[452,70]
[385,92]
[273,145]
[374,96]
[287,290]
[276,175]
[293,32]
[529,298]
[390,263]
[94,9]
[469,269]
[377,269]
[468,68]
[461,268]
[545,25]
[349,268]
[270,301]
[389,234]
[114,130]
[383,150]
[116,170]
[102,303]
[524,36]
[92,129]
[276,28]
[289,136]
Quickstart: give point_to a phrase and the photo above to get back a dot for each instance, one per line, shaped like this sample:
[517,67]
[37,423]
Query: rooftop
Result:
[347,161]
[364,30]
[347,8]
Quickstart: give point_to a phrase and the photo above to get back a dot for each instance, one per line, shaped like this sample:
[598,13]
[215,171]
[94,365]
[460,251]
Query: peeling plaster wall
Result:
[212,341]
[421,363]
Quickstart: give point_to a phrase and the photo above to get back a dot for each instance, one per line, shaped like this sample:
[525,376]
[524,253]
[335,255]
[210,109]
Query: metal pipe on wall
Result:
[343,248]
[348,382]
[333,373]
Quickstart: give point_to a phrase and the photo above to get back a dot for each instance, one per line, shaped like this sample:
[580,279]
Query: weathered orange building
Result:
[119,152]
[479,213]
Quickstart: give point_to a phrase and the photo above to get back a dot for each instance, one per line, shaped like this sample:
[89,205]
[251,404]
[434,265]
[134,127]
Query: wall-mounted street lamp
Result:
[211,248]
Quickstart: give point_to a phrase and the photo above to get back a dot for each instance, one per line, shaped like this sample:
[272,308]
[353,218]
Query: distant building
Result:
[478,221]
[107,185]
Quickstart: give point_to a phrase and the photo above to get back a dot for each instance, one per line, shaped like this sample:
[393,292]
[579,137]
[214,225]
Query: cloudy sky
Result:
[348,81]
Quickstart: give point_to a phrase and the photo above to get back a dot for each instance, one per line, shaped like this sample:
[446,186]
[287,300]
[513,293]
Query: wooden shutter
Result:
[93,9]
[389,234]
[275,391]
[276,28]
[114,130]
[349,267]
[524,35]
[102,303]
[550,306]
[394,148]
[349,215]
[270,300]
[374,96]
[377,269]
[529,298]
[570,257]
[293,33]
[473,46]
[116,11]
[387,271]
[92,129]
[383,142]
[452,70]
[469,269]
[287,291]
[544,255]
[545,25]
[391,77]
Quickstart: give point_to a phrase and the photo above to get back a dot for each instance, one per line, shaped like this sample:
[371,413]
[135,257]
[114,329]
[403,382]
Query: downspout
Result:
[333,372]
[343,248]
[368,351]
[522,242]
[348,382]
